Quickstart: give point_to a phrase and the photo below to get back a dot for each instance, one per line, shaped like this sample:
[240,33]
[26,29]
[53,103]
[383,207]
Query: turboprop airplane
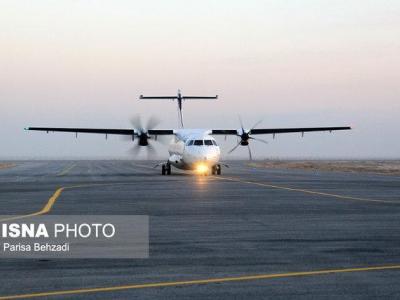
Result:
[191,149]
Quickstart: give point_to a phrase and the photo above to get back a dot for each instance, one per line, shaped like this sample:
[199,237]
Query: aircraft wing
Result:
[277,130]
[102,131]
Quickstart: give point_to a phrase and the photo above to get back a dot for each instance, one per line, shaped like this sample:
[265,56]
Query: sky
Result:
[288,63]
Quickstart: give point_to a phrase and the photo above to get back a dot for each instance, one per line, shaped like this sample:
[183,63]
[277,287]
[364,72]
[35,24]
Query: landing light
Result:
[201,168]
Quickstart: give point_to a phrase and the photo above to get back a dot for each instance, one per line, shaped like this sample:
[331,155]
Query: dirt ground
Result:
[6,165]
[387,167]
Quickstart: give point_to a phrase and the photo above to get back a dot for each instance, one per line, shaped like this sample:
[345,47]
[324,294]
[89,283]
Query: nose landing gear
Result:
[166,169]
[216,170]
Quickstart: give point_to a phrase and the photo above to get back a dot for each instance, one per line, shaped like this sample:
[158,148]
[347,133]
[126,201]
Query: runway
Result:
[250,233]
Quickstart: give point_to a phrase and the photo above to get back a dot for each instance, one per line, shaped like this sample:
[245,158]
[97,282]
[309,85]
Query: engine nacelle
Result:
[143,139]
[244,139]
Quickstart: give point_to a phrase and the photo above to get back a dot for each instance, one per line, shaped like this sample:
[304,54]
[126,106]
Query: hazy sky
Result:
[290,63]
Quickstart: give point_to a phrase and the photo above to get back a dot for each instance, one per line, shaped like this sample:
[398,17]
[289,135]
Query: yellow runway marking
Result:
[199,281]
[306,191]
[43,211]
[49,204]
[66,170]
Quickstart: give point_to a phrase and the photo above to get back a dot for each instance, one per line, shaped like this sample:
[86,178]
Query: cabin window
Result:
[198,142]
[190,143]
[214,143]
[208,142]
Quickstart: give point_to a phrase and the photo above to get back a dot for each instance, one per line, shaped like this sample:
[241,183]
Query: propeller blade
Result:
[152,122]
[151,152]
[258,140]
[141,136]
[241,123]
[255,125]
[250,156]
[137,122]
[163,139]
[135,150]
[234,148]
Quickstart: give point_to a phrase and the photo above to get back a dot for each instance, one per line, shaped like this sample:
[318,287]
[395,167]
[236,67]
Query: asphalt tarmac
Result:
[251,233]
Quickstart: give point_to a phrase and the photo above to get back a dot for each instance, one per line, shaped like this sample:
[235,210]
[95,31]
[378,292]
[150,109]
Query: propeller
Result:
[143,138]
[245,137]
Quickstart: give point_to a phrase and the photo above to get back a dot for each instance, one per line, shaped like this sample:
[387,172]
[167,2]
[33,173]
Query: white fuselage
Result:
[192,147]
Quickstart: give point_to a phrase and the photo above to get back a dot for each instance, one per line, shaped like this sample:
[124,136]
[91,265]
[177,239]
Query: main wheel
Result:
[214,170]
[218,169]
[168,167]
[163,170]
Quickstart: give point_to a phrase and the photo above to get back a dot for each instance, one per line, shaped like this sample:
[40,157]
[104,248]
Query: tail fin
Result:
[180,99]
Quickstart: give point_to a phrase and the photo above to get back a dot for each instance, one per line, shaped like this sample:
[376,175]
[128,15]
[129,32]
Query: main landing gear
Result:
[216,170]
[166,169]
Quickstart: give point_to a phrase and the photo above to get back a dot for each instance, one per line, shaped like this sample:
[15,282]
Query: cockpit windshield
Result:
[201,143]
[198,143]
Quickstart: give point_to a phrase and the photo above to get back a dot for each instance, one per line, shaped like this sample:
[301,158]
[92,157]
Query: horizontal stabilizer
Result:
[179,99]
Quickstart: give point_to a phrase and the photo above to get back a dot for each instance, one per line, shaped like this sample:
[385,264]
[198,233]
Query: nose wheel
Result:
[216,170]
[166,169]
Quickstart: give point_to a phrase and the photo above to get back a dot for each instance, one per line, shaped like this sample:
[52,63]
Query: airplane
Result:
[190,149]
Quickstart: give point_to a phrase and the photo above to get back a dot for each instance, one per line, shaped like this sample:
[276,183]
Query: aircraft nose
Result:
[211,156]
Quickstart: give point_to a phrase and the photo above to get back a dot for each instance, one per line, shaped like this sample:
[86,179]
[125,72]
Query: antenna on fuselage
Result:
[180,100]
